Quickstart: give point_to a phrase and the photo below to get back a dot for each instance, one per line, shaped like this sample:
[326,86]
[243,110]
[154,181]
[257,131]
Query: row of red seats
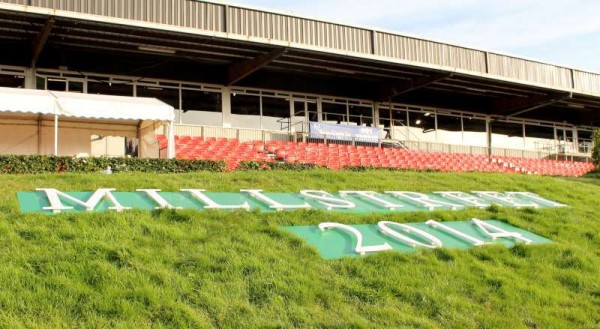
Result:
[337,156]
[546,166]
[229,150]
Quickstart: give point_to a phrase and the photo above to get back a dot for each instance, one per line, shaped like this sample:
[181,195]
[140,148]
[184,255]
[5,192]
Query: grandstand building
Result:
[243,73]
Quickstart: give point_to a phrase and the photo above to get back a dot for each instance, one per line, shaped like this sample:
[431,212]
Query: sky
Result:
[564,32]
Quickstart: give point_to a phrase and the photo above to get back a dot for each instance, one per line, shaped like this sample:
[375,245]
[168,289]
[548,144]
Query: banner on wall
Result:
[344,132]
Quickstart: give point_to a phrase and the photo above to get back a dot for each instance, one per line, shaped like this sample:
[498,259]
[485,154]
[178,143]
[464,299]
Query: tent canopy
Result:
[112,107]
[98,109]
[31,101]
[87,106]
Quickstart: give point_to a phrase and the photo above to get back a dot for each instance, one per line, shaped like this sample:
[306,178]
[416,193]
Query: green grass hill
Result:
[239,270]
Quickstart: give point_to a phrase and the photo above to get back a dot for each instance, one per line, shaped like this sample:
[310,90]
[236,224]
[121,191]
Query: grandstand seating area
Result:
[337,156]
[229,150]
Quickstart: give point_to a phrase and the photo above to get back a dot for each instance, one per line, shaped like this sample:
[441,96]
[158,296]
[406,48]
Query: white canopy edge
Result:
[93,106]
[88,106]
[31,101]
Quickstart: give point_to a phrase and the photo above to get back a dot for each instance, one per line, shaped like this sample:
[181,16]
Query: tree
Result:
[596,147]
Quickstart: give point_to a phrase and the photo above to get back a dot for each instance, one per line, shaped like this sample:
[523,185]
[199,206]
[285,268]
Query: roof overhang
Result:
[101,44]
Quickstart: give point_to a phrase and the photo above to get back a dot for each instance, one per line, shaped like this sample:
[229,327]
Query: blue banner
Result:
[344,132]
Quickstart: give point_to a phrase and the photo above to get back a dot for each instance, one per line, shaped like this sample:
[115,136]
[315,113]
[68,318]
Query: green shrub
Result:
[39,164]
[264,165]
[596,147]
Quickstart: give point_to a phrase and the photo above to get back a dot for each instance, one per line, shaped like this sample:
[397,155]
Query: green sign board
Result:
[356,202]
[334,240]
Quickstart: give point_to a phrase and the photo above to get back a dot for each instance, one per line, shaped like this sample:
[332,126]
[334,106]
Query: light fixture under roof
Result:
[156,49]
[339,70]
[577,106]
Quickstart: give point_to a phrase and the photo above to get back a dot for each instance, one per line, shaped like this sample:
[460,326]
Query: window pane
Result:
[275,107]
[384,117]
[75,87]
[313,114]
[167,95]
[448,123]
[361,115]
[13,81]
[507,128]
[105,88]
[245,105]
[424,121]
[539,132]
[57,84]
[196,100]
[334,112]
[583,134]
[399,117]
[474,125]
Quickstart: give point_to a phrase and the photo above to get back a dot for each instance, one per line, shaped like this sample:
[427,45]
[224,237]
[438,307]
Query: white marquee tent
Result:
[61,123]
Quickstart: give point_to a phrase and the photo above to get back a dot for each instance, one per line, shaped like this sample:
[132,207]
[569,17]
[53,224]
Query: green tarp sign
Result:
[50,200]
[334,240]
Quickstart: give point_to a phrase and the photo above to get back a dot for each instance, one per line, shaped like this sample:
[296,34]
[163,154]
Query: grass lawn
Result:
[238,270]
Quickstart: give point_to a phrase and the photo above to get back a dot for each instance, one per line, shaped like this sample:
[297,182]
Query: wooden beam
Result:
[40,41]
[240,70]
[390,91]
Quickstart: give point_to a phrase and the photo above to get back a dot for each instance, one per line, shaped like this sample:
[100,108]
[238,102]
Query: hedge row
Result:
[263,166]
[39,164]
[373,168]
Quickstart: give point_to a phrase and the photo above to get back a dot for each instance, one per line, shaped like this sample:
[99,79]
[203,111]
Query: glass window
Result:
[13,81]
[313,113]
[106,88]
[275,107]
[399,117]
[473,124]
[245,104]
[361,115]
[167,95]
[196,100]
[449,123]
[40,82]
[299,110]
[584,134]
[56,84]
[75,87]
[539,132]
[384,117]
[423,120]
[334,112]
[507,128]
[585,141]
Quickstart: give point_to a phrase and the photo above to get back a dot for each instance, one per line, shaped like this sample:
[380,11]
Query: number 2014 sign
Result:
[335,240]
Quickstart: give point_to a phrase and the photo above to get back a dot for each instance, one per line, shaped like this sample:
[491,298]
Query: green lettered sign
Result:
[355,202]
[335,243]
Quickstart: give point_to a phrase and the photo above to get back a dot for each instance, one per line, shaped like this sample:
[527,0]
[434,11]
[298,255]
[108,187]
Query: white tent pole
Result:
[171,141]
[55,134]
